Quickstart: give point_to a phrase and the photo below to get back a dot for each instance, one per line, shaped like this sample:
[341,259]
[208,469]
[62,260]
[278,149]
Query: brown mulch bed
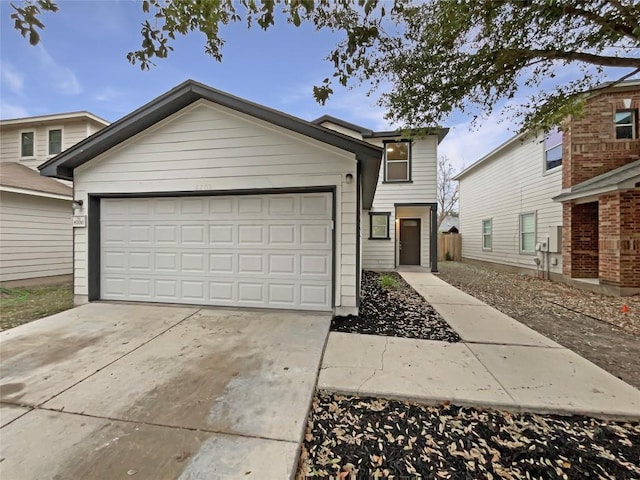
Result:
[389,306]
[363,438]
[592,325]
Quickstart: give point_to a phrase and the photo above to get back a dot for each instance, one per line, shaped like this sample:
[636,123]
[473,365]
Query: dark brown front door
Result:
[409,241]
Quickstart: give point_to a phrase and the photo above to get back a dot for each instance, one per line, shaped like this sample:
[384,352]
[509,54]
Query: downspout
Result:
[358,233]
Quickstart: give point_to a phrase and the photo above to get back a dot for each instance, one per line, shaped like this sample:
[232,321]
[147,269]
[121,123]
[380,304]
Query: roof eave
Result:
[592,192]
[63,164]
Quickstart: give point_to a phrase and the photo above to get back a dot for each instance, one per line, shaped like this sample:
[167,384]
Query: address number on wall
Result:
[79,221]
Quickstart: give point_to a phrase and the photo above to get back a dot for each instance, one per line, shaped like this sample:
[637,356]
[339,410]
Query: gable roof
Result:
[55,117]
[440,132]
[190,91]
[22,179]
[492,153]
[342,123]
[632,84]
[622,178]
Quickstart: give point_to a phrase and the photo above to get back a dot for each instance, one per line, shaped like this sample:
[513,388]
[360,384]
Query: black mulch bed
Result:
[394,312]
[365,438]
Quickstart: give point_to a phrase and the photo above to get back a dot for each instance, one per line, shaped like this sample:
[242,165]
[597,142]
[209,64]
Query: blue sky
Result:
[81,64]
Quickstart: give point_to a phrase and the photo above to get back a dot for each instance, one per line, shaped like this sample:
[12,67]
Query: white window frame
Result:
[387,215]
[633,124]
[521,233]
[490,234]
[547,150]
[49,154]
[34,142]
[407,161]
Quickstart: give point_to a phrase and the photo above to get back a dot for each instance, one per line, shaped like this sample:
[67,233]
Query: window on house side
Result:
[528,232]
[55,141]
[397,161]
[26,144]
[487,234]
[553,149]
[379,228]
[626,121]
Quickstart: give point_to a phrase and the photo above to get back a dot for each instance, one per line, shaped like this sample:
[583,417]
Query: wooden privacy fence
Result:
[449,246]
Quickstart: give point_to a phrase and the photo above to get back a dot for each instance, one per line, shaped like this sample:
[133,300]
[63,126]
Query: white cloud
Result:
[63,79]
[12,78]
[107,94]
[8,110]
[465,144]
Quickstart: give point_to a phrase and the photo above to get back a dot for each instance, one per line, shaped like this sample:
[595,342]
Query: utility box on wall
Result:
[555,239]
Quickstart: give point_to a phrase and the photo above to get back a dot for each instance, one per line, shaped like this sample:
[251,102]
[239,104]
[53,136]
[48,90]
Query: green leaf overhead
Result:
[432,57]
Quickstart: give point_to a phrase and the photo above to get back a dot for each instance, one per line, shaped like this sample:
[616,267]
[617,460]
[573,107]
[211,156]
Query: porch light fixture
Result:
[77,204]
[349,178]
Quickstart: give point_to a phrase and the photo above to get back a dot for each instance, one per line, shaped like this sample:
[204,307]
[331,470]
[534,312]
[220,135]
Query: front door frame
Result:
[401,220]
[433,232]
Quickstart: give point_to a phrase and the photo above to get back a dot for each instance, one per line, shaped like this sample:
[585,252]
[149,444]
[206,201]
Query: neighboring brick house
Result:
[601,191]
[565,205]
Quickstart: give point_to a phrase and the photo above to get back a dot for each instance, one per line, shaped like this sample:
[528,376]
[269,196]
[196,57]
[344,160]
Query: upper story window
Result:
[397,161]
[55,141]
[553,149]
[626,124]
[27,142]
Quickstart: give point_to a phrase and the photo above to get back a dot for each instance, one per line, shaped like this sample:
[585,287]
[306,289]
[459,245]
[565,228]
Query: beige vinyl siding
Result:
[503,187]
[10,144]
[73,131]
[206,147]
[379,254]
[35,237]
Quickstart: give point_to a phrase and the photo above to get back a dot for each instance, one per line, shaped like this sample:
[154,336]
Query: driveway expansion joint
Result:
[117,359]
[154,424]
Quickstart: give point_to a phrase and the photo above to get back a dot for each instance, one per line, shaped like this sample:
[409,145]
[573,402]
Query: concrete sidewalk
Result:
[500,363]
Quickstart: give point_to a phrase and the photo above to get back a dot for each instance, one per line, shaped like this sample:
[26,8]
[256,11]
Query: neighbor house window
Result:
[397,164]
[55,141]
[528,232]
[26,144]
[379,226]
[626,121]
[553,149]
[487,233]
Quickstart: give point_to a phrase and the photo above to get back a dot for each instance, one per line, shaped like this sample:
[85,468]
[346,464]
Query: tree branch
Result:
[594,59]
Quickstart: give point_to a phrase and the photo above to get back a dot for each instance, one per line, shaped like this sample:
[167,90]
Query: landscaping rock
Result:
[362,438]
[394,312]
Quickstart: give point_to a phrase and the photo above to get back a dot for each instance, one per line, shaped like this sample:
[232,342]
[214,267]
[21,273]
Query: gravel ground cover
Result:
[396,310]
[366,438]
[591,325]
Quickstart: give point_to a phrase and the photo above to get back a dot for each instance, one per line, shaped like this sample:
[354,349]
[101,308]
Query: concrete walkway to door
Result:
[157,392]
[500,363]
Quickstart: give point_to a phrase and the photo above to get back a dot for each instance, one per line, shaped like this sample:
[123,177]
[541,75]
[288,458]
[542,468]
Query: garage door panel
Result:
[264,251]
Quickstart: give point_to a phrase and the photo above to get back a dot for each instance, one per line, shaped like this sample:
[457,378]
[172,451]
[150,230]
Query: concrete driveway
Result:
[152,392]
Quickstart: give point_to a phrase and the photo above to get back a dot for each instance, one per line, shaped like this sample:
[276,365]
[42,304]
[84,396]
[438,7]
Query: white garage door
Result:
[254,250]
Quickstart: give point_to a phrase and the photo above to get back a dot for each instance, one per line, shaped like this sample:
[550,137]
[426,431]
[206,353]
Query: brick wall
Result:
[609,238]
[580,254]
[630,239]
[590,147]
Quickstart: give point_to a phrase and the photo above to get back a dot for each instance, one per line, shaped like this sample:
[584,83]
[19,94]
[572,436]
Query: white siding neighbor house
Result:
[36,242]
[200,197]
[507,212]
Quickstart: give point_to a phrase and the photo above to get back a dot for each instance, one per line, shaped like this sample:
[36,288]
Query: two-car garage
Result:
[203,198]
[240,250]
